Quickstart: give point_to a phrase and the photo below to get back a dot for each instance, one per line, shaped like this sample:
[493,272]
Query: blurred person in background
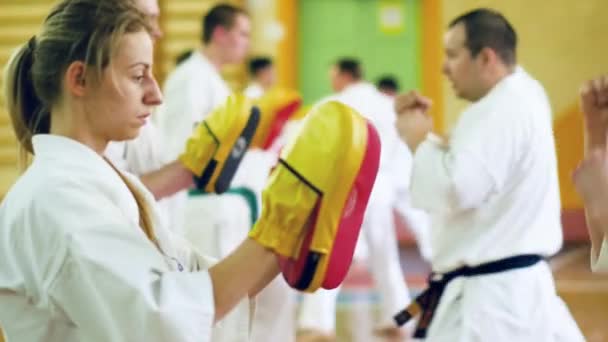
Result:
[388,85]
[262,76]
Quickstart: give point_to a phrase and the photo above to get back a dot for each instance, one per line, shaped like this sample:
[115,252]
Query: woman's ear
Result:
[75,78]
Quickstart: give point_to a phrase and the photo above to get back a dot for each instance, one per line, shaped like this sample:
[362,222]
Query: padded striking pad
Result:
[317,196]
[217,146]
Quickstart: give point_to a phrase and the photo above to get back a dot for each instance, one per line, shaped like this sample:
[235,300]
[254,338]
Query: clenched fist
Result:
[594,104]
[412,101]
[413,121]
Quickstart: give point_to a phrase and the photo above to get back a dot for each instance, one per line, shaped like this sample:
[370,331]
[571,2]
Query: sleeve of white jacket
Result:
[235,326]
[474,165]
[115,286]
[401,167]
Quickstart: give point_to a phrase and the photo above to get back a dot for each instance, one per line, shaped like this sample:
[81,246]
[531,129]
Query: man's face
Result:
[338,80]
[235,41]
[266,77]
[462,70]
[151,9]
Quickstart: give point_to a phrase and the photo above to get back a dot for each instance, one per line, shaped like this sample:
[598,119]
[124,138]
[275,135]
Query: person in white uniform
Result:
[84,256]
[317,316]
[216,224]
[191,92]
[591,177]
[493,194]
[262,76]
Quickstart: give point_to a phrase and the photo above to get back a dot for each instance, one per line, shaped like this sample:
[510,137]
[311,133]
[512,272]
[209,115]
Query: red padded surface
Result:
[352,217]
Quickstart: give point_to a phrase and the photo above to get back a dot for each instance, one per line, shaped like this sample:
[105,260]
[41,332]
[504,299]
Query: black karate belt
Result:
[426,303]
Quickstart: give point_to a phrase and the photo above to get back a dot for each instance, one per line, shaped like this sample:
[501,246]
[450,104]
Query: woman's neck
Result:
[76,128]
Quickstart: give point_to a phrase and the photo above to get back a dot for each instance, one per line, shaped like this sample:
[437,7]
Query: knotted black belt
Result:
[426,303]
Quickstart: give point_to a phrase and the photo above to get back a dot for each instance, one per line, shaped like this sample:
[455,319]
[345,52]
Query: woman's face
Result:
[127,93]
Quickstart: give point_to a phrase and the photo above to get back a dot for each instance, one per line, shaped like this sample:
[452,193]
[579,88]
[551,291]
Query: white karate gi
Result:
[254,90]
[76,266]
[493,193]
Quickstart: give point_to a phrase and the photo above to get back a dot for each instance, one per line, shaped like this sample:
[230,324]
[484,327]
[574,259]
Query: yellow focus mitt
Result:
[313,205]
[215,149]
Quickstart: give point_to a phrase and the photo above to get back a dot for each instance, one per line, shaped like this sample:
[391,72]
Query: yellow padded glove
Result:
[315,169]
[216,147]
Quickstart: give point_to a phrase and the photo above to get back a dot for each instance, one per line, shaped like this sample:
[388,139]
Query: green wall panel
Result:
[330,29]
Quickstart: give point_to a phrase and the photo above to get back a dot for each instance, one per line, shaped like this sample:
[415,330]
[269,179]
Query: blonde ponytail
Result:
[145,215]
[25,108]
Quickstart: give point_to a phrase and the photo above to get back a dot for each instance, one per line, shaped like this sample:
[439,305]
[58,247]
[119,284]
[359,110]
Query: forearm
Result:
[597,225]
[594,137]
[448,182]
[243,273]
[168,180]
[265,279]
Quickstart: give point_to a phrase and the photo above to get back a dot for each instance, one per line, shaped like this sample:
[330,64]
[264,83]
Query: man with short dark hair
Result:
[262,76]
[388,85]
[344,72]
[191,92]
[196,87]
[493,194]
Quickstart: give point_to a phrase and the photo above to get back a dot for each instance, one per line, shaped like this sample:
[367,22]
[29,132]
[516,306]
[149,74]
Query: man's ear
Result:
[488,56]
